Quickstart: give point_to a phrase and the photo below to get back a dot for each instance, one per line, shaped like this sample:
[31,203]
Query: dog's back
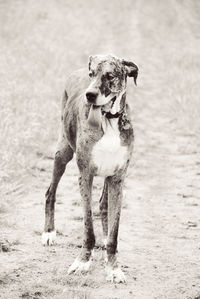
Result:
[75,87]
[72,103]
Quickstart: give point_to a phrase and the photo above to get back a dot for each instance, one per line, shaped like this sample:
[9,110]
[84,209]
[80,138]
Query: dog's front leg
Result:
[114,272]
[82,263]
[62,157]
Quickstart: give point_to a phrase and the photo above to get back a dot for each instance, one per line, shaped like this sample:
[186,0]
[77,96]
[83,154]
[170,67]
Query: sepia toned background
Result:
[41,43]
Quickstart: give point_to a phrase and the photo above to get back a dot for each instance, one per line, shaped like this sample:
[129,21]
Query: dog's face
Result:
[108,75]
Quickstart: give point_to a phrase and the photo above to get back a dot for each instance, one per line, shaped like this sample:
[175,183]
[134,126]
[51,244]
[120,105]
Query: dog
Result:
[96,125]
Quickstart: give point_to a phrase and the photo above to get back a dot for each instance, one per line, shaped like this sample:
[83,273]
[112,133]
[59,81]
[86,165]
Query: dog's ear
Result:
[131,69]
[89,62]
[91,59]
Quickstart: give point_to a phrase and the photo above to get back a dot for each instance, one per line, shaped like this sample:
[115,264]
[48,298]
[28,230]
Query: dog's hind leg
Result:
[82,262]
[103,206]
[63,155]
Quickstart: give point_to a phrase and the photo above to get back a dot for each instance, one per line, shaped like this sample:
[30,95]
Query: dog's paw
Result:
[49,238]
[105,242]
[115,275]
[79,267]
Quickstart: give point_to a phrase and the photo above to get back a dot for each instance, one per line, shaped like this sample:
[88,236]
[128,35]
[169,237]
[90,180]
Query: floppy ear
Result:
[131,69]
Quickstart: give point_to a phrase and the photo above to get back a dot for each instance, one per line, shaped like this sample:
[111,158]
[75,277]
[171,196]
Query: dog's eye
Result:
[110,76]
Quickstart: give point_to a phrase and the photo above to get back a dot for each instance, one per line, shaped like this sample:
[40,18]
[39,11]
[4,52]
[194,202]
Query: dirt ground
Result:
[159,244]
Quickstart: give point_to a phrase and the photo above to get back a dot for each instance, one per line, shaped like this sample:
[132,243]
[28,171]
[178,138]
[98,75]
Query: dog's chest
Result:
[108,155]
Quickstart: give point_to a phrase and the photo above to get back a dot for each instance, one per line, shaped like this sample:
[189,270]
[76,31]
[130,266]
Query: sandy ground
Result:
[159,247]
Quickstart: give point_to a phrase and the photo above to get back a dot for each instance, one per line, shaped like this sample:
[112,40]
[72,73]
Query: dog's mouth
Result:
[96,112]
[107,107]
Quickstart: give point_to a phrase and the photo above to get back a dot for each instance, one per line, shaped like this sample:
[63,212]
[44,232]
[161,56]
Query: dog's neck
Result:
[109,115]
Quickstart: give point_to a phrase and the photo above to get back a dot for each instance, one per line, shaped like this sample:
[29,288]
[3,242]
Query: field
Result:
[159,239]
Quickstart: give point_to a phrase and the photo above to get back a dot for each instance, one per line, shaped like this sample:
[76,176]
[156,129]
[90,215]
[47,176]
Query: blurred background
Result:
[43,41]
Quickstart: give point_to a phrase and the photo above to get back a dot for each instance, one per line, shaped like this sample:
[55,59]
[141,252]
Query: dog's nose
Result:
[91,96]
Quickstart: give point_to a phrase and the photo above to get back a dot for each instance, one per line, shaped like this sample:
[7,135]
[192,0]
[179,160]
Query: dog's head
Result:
[108,75]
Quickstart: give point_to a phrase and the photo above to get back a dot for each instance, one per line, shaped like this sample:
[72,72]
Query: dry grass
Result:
[41,42]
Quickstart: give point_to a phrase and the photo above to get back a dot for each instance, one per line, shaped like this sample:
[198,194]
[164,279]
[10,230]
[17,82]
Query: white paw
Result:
[115,275]
[79,266]
[49,238]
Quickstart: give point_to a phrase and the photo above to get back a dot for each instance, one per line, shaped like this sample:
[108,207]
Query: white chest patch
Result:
[108,155]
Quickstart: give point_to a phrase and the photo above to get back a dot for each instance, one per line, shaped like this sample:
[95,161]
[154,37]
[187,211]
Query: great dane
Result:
[96,126]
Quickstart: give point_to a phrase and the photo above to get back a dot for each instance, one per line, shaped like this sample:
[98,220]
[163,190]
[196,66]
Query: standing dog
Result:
[96,126]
